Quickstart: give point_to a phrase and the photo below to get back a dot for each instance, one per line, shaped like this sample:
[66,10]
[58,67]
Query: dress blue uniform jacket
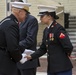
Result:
[28,40]
[58,47]
[9,46]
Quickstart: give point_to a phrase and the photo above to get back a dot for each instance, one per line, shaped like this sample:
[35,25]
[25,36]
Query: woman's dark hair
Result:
[53,14]
[20,0]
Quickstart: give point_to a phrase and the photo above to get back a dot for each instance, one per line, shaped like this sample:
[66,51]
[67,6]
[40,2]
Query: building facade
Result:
[69,6]
[64,6]
[2,9]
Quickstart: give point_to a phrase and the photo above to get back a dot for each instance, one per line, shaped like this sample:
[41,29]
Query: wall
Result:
[69,6]
[2,9]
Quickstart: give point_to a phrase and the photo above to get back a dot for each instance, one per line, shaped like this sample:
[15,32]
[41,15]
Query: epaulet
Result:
[4,20]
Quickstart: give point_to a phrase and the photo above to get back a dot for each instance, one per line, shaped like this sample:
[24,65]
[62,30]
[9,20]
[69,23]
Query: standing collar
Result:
[52,24]
[14,18]
[49,25]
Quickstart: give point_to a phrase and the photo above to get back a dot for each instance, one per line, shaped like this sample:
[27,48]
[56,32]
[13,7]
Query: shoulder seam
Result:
[5,20]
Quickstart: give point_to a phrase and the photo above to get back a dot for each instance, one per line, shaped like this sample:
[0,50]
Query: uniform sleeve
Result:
[31,34]
[64,40]
[41,51]
[12,41]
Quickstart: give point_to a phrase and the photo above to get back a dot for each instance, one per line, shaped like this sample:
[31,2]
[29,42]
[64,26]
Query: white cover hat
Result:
[43,8]
[21,5]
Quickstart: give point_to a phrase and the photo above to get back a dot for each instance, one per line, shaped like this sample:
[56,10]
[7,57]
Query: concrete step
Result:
[74,49]
[72,23]
[71,29]
[72,26]
[73,41]
[72,32]
[74,45]
[72,37]
[72,19]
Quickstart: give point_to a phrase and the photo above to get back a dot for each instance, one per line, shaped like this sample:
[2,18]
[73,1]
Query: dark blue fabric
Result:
[69,72]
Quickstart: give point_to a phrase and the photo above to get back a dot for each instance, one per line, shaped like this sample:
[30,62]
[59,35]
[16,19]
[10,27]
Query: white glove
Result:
[23,60]
[28,51]
[24,54]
